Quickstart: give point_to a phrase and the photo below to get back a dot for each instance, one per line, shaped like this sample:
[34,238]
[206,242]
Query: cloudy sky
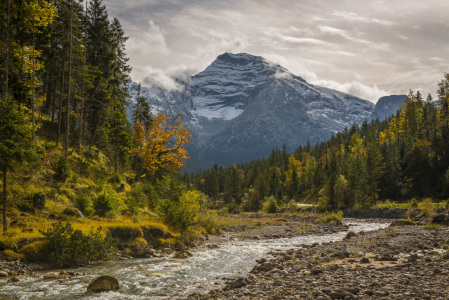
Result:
[368,48]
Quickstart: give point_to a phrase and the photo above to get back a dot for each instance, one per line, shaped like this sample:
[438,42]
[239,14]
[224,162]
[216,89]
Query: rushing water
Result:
[202,271]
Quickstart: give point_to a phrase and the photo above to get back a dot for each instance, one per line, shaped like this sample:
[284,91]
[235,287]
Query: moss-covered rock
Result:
[124,233]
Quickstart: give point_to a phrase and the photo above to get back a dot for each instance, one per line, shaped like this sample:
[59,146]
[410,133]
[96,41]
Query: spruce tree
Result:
[15,143]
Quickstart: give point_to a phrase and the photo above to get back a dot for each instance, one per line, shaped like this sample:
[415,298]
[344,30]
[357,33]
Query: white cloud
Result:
[356,88]
[378,40]
[205,55]
[154,77]
[297,40]
[346,35]
[181,72]
[149,40]
[353,17]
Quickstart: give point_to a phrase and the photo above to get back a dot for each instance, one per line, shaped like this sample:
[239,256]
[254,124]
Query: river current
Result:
[177,277]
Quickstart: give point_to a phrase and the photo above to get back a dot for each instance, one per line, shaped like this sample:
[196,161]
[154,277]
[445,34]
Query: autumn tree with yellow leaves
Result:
[161,147]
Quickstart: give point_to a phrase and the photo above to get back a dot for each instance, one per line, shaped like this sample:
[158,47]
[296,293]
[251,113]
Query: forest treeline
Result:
[63,106]
[404,156]
[67,61]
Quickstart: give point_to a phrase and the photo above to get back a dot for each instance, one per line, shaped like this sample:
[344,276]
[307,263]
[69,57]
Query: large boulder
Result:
[441,219]
[103,284]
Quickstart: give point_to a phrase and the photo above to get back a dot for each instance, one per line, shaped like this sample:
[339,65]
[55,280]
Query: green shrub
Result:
[184,213]
[61,168]
[187,212]
[105,204]
[427,207]
[83,202]
[136,201]
[270,205]
[210,223]
[292,206]
[10,255]
[34,252]
[332,218]
[414,203]
[65,246]
[125,233]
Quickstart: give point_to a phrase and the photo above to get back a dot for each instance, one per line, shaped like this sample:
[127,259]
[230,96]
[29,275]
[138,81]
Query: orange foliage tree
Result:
[160,147]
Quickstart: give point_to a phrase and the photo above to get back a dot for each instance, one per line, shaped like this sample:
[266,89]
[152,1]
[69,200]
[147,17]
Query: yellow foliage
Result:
[39,13]
[10,255]
[161,147]
[357,147]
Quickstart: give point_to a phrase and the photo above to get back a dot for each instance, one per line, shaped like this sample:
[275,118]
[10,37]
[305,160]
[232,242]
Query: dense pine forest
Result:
[403,157]
[65,136]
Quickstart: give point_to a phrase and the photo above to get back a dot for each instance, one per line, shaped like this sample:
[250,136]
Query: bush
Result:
[427,207]
[332,218]
[270,205]
[136,201]
[105,204]
[10,255]
[414,203]
[187,212]
[292,206]
[61,168]
[68,247]
[83,202]
[34,252]
[210,223]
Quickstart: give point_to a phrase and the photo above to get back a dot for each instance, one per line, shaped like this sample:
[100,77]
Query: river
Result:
[205,270]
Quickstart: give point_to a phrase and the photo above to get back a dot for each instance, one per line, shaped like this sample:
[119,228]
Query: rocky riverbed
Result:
[263,227]
[399,262]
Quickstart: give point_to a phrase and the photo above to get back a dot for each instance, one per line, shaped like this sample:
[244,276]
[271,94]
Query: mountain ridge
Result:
[243,106]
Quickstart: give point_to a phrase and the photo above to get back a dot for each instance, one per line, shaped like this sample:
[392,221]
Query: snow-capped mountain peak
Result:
[243,106]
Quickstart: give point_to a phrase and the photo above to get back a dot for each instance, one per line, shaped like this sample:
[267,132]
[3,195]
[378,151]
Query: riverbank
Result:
[166,276]
[399,262]
[239,227]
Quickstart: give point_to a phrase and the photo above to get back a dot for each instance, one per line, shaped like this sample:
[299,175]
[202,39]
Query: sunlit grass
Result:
[424,204]
[35,223]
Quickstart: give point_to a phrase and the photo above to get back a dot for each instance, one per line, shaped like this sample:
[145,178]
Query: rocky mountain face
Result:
[243,106]
[386,106]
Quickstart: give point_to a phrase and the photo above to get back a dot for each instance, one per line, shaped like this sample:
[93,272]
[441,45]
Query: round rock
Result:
[103,284]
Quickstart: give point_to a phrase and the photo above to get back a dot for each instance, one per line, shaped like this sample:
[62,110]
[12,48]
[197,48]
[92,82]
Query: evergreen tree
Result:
[15,143]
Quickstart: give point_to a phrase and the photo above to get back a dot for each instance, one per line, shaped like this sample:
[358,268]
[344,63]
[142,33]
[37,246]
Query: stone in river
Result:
[103,284]
[156,274]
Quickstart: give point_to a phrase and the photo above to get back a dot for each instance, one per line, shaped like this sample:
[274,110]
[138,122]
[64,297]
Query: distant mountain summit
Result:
[243,106]
[386,106]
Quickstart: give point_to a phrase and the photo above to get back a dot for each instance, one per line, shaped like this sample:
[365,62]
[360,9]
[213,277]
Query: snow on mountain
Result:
[243,106]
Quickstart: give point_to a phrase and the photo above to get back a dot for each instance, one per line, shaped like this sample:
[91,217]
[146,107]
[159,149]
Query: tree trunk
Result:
[60,101]
[67,131]
[5,221]
[83,93]
[33,133]
[7,51]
